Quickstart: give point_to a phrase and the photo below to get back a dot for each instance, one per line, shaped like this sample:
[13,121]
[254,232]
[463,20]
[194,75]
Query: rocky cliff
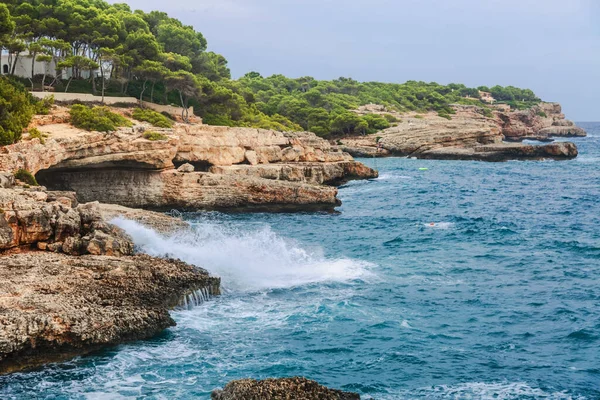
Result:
[197,167]
[471,134]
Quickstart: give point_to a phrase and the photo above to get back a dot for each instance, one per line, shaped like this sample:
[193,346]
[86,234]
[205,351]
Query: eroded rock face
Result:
[32,217]
[471,135]
[227,167]
[285,388]
[544,120]
[195,190]
[55,306]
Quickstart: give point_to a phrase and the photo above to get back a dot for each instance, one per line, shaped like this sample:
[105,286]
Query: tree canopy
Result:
[155,57]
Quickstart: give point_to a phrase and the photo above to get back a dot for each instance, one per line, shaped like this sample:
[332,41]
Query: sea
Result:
[438,280]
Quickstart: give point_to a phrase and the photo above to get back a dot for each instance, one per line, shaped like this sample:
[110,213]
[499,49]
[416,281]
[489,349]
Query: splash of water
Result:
[246,258]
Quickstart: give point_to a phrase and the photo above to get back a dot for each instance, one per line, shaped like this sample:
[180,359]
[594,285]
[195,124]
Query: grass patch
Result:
[419,116]
[25,176]
[99,119]
[542,114]
[156,119]
[151,135]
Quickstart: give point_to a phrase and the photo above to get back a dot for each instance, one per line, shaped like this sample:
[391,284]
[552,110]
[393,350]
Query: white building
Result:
[23,68]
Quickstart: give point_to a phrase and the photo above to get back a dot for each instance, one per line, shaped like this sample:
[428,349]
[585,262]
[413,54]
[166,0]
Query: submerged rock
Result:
[55,306]
[296,388]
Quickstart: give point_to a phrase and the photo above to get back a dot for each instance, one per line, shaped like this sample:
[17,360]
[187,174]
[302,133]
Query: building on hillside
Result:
[23,68]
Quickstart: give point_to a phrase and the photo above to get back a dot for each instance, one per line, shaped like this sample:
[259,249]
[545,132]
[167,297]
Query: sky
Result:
[549,46]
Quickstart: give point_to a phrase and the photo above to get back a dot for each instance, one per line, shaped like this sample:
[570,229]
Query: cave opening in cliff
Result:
[199,166]
[103,182]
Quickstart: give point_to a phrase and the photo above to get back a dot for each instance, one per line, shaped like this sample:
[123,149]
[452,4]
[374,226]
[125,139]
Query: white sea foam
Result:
[246,259]
[485,391]
[439,225]
[392,176]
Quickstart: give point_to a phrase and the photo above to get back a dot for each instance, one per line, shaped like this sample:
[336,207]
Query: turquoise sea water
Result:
[498,299]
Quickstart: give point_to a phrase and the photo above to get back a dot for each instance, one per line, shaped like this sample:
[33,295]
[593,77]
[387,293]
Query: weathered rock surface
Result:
[195,190]
[160,222]
[285,388]
[544,120]
[226,167]
[55,306]
[27,217]
[470,135]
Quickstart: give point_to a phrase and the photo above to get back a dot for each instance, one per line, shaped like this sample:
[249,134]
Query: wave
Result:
[246,259]
[495,391]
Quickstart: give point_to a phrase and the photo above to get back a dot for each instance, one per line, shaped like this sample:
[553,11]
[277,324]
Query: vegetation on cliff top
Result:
[97,118]
[110,49]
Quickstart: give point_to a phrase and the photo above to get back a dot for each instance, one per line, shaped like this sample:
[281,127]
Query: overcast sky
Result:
[549,46]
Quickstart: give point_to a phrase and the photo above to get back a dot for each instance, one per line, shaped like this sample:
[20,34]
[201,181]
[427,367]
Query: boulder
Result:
[296,388]
[187,167]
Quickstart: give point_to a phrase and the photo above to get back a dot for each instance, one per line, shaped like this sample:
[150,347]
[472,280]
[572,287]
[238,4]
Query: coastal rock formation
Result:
[55,306]
[296,388]
[470,135]
[157,221]
[27,217]
[542,121]
[192,191]
[224,167]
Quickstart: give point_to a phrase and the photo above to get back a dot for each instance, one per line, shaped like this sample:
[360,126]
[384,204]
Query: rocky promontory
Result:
[196,167]
[472,133]
[71,282]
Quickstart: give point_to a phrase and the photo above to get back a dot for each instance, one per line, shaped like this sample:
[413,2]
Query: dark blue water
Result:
[498,299]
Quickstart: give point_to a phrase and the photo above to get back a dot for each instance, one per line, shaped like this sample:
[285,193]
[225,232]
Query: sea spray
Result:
[246,258]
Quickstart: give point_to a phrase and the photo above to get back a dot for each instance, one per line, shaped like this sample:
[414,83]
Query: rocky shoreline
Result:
[72,282]
[471,134]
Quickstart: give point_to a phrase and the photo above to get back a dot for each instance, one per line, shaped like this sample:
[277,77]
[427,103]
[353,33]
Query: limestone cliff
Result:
[198,167]
[471,134]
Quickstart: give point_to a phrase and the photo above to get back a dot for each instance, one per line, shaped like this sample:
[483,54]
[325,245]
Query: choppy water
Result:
[498,299]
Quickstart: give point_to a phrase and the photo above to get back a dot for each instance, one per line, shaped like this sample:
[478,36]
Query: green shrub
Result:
[25,176]
[99,119]
[488,113]
[34,133]
[156,119]
[43,106]
[390,118]
[151,135]
[419,116]
[542,114]
[16,111]
[376,122]
[444,115]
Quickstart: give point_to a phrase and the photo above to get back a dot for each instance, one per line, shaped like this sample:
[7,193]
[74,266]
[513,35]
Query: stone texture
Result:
[195,191]
[54,306]
[28,217]
[186,168]
[160,222]
[125,169]
[296,388]
[470,135]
